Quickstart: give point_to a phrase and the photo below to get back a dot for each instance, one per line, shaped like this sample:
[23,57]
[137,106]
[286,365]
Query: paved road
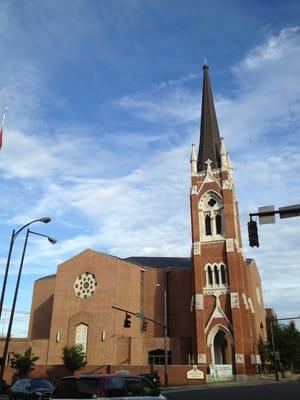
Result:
[276,391]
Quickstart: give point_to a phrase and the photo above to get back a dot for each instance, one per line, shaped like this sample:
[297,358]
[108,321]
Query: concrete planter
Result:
[286,373]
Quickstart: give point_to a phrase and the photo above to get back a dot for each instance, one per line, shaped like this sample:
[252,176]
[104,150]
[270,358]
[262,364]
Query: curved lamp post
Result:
[5,351]
[14,234]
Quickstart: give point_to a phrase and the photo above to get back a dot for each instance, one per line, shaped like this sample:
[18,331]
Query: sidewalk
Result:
[216,385]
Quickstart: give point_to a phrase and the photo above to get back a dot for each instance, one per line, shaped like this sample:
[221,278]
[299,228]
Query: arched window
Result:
[223,275]
[209,275]
[211,216]
[216,276]
[207,225]
[216,272]
[81,335]
[157,357]
[218,224]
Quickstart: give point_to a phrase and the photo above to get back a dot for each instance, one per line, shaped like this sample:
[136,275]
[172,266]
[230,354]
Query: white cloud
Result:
[136,202]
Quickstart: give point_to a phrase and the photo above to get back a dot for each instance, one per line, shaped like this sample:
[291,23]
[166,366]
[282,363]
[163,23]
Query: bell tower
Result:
[224,327]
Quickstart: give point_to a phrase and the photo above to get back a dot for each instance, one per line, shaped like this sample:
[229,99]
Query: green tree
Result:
[23,364]
[287,342]
[265,353]
[74,357]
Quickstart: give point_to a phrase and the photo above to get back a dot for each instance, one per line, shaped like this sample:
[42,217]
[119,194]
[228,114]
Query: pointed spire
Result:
[210,142]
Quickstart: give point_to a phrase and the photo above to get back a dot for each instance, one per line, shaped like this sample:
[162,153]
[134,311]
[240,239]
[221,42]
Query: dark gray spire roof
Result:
[209,147]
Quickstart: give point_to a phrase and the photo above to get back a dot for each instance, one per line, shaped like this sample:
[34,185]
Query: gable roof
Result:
[162,262]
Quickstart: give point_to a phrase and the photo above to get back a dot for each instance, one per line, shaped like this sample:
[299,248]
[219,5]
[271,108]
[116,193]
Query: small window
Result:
[218,224]
[210,276]
[217,280]
[207,225]
[223,274]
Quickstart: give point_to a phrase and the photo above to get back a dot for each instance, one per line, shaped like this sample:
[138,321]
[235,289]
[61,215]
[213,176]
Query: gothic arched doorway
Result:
[220,341]
[220,345]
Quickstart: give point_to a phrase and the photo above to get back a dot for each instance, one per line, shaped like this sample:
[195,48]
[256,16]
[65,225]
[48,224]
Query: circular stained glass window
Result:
[85,285]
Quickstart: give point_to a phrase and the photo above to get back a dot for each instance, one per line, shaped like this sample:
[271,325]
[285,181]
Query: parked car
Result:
[152,377]
[106,387]
[31,389]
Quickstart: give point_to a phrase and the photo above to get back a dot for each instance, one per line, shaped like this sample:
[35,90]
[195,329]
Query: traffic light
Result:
[144,325]
[252,234]
[127,321]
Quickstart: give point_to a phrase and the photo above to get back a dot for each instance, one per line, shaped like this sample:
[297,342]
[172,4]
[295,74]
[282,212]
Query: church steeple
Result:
[210,142]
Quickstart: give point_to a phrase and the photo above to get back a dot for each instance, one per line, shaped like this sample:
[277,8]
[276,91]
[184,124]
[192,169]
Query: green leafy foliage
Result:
[74,357]
[287,342]
[23,364]
[265,353]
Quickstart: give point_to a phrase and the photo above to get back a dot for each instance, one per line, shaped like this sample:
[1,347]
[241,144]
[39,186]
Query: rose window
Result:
[85,285]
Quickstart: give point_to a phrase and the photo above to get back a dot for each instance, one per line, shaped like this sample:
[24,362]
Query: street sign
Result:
[266,219]
[139,315]
[290,211]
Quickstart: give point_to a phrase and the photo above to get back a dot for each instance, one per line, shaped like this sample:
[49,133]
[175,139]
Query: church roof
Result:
[210,142]
[162,262]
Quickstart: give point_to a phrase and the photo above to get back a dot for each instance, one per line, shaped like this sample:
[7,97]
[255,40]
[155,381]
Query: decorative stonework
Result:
[234,300]
[229,245]
[251,305]
[237,245]
[81,335]
[240,359]
[195,373]
[227,185]
[194,189]
[216,292]
[258,295]
[201,358]
[85,285]
[199,302]
[192,303]
[196,248]
[245,301]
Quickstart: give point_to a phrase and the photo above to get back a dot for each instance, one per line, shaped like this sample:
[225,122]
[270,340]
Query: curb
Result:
[214,385]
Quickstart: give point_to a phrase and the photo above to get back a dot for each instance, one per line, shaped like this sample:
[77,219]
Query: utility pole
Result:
[163,324]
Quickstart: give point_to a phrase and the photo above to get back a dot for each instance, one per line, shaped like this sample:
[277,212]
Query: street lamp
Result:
[5,351]
[165,325]
[14,234]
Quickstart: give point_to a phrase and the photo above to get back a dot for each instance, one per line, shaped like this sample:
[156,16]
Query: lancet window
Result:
[211,216]
[216,275]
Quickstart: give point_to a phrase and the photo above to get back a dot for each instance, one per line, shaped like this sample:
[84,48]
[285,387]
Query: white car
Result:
[105,387]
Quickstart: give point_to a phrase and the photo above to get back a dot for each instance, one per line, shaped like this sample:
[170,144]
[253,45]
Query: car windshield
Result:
[41,384]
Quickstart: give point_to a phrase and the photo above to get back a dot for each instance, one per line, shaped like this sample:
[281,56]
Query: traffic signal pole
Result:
[284,212]
[163,324]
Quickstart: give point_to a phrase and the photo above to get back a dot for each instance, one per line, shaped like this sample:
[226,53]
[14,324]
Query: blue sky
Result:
[104,103]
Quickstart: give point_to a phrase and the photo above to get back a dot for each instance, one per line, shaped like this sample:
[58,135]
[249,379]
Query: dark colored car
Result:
[152,377]
[104,386]
[31,389]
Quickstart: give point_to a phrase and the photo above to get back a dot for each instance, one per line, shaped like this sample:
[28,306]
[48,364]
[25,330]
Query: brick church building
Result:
[211,302]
